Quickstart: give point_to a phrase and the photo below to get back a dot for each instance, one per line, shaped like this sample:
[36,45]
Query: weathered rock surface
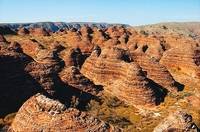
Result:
[177,122]
[23,31]
[73,57]
[150,45]
[77,64]
[41,113]
[155,71]
[45,69]
[3,42]
[118,32]
[79,39]
[16,86]
[2,39]
[74,78]
[99,36]
[177,41]
[194,100]
[39,31]
[31,47]
[183,64]
[113,69]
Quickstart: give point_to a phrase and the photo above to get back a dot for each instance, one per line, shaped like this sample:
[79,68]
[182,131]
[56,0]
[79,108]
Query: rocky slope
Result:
[16,85]
[183,64]
[155,71]
[177,121]
[41,113]
[184,28]
[120,78]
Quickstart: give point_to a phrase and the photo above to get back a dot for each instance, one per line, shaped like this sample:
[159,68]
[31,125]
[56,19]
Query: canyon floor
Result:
[100,77]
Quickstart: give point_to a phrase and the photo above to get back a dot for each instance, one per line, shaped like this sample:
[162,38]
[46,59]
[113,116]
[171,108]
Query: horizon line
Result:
[93,22]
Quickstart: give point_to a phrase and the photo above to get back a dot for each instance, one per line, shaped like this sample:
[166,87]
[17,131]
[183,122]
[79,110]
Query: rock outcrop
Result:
[178,121]
[45,69]
[117,32]
[155,71]
[3,42]
[31,47]
[115,73]
[124,79]
[39,32]
[41,113]
[75,79]
[2,39]
[150,45]
[23,31]
[16,86]
[56,47]
[183,64]
[99,36]
[177,41]
[80,39]
[73,57]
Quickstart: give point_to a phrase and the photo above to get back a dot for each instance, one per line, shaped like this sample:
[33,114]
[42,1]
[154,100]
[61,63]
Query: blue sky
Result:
[133,12]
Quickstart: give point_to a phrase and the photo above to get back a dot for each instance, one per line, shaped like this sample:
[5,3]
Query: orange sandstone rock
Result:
[113,69]
[41,113]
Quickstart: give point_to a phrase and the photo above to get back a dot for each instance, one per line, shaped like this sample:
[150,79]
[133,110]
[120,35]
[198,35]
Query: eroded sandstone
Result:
[113,69]
[41,113]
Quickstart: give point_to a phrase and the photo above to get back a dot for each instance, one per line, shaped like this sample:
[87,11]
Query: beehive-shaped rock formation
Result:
[77,39]
[39,32]
[149,45]
[74,78]
[113,69]
[73,57]
[155,71]
[41,113]
[45,69]
[16,86]
[183,64]
[99,36]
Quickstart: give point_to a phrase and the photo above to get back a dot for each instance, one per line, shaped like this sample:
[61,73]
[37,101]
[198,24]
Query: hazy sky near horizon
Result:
[133,12]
